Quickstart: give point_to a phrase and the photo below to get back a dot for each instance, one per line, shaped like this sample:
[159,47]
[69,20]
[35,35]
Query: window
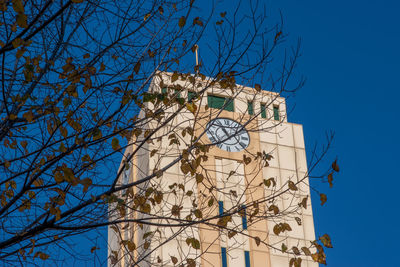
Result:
[276,113]
[191,95]
[220,102]
[221,207]
[247,258]
[250,107]
[263,111]
[244,218]
[224,259]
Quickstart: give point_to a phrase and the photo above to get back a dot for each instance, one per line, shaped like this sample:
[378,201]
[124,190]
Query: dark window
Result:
[263,111]
[219,102]
[244,218]
[276,113]
[220,207]
[191,95]
[224,258]
[250,108]
[247,258]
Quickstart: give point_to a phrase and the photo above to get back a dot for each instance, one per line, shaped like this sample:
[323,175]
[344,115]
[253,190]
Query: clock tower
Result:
[221,179]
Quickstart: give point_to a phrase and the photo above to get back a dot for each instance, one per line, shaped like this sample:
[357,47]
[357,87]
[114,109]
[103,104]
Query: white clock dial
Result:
[228,134]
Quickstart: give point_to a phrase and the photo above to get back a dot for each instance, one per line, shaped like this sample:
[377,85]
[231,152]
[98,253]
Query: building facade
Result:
[254,173]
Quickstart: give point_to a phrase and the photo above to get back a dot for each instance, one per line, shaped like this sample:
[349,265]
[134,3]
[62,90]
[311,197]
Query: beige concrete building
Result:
[233,123]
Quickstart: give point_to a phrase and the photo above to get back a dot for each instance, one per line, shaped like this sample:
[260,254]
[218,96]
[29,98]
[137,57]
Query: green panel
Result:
[229,106]
[191,95]
[263,111]
[276,113]
[218,102]
[250,108]
[215,101]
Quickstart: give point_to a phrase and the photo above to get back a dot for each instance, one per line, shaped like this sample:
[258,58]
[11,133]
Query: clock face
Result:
[228,134]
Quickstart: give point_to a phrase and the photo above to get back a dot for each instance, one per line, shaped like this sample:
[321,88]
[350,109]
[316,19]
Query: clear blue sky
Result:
[351,58]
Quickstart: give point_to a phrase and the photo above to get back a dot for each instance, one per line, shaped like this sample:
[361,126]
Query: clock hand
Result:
[226,133]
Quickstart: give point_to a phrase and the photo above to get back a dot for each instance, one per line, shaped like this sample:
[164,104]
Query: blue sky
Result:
[351,60]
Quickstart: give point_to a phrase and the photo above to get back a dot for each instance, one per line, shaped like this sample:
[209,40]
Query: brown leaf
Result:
[335,166]
[326,241]
[274,208]
[174,260]
[115,144]
[303,202]
[277,36]
[277,229]
[257,87]
[18,6]
[174,77]
[330,179]
[257,240]
[137,67]
[306,251]
[182,22]
[323,198]
[292,186]
[296,250]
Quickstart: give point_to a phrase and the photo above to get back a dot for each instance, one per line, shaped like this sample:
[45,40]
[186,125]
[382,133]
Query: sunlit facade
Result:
[267,129]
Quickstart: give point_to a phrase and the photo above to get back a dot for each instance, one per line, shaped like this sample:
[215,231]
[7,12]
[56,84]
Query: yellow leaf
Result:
[146,16]
[191,107]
